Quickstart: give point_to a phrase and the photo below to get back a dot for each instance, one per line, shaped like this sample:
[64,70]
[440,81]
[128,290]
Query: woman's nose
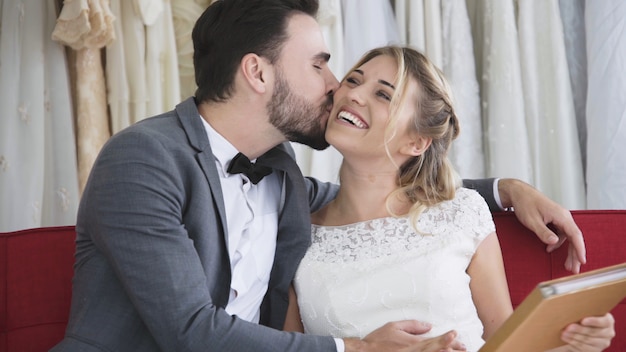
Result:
[355,94]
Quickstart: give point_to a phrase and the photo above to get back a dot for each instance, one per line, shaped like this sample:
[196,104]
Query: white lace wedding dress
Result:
[357,277]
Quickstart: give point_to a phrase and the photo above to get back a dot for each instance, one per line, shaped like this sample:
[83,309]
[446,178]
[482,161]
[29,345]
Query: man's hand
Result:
[403,336]
[534,210]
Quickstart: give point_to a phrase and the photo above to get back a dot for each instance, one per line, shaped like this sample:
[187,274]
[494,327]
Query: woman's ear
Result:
[416,146]
[255,71]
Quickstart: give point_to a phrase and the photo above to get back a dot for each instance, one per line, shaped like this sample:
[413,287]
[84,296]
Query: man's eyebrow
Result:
[322,56]
[381,81]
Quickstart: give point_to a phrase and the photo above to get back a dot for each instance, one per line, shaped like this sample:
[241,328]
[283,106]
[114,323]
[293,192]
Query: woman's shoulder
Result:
[471,198]
[467,209]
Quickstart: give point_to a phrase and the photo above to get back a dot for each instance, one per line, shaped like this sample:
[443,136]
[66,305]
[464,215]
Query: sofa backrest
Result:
[36,268]
[527,263]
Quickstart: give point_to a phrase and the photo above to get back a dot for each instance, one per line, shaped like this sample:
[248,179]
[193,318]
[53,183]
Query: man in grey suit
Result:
[177,249]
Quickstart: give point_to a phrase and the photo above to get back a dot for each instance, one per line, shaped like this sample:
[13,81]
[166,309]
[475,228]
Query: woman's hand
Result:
[590,335]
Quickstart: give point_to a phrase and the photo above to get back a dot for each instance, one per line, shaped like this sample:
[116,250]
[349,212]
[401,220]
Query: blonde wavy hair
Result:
[429,178]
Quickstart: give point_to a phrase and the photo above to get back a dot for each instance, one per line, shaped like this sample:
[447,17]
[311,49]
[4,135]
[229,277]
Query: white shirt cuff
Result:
[496,194]
[341,347]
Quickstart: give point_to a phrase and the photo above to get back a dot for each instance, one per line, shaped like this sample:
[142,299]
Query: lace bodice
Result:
[357,277]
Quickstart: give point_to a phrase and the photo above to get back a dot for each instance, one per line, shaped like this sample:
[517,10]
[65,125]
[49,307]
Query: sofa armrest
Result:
[36,270]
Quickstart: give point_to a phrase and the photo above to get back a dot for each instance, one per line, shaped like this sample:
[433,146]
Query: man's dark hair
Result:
[230,29]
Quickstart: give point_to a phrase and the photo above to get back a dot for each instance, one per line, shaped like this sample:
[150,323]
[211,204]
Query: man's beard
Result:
[297,119]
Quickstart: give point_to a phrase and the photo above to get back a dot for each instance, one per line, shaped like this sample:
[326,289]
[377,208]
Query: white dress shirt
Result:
[252,224]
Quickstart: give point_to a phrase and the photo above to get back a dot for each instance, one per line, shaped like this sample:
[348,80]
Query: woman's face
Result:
[360,113]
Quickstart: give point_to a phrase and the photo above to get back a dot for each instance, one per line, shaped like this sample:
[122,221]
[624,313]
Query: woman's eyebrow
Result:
[381,81]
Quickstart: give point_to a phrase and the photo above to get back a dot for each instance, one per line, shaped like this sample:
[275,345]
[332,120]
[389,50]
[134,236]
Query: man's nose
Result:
[332,84]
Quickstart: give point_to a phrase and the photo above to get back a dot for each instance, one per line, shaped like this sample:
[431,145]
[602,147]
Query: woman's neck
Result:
[362,196]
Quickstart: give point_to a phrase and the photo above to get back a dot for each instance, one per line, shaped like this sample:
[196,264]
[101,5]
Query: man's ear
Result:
[256,71]
[416,146]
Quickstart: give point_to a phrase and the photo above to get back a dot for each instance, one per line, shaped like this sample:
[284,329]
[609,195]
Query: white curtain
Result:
[38,179]
[573,18]
[549,106]
[606,104]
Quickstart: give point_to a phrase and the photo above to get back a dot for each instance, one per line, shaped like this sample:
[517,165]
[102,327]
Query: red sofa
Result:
[36,272]
[35,287]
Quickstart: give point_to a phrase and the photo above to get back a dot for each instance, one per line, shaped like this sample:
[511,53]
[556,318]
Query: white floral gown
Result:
[38,175]
[357,277]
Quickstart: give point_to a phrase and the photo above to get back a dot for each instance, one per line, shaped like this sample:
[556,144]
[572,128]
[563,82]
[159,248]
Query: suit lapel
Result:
[191,121]
[294,236]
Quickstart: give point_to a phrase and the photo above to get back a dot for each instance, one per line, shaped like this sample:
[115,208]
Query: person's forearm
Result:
[355,345]
[506,189]
[352,345]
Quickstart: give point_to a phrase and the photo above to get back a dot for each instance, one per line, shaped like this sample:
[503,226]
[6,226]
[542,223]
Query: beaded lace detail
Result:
[389,236]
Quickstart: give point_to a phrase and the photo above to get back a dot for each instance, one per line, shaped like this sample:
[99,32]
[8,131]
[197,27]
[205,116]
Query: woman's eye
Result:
[317,67]
[384,95]
[351,80]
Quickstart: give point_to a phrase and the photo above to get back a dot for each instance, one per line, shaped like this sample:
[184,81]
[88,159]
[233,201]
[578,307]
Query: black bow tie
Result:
[242,165]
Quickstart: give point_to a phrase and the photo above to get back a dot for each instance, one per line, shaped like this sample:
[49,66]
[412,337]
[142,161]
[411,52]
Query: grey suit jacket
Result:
[152,271]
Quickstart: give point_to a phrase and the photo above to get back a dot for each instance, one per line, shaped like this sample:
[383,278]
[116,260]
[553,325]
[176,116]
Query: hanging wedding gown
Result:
[548,103]
[142,66]
[38,177]
[466,152]
[162,79]
[606,104]
[118,91]
[87,27]
[185,13]
[496,49]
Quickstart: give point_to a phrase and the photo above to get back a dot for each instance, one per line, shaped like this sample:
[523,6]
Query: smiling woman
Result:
[402,239]
[400,227]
